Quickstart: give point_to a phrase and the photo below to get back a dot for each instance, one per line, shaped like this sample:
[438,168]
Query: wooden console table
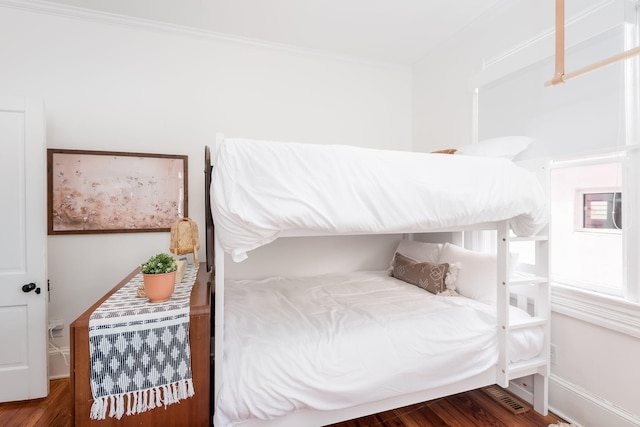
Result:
[194,411]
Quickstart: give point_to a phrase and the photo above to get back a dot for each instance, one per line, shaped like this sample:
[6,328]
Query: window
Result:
[595,272]
[600,210]
[586,228]
[593,264]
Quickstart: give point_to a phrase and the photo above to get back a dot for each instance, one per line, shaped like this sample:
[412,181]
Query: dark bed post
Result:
[208,168]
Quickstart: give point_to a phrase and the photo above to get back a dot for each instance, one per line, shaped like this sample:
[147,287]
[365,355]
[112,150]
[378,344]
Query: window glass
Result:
[585,232]
[601,210]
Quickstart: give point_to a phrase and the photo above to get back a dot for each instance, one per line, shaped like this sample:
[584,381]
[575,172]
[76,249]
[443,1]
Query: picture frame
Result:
[114,192]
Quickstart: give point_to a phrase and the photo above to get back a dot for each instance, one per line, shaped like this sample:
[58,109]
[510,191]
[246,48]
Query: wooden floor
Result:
[473,408]
[54,410]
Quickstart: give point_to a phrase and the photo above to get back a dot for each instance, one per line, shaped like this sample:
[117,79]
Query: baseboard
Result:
[576,405]
[58,377]
[521,391]
[58,364]
[582,408]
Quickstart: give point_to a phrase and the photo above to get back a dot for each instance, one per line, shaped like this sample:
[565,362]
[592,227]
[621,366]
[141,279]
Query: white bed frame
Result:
[529,290]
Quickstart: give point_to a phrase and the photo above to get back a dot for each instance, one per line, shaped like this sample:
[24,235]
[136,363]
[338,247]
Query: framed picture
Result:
[114,192]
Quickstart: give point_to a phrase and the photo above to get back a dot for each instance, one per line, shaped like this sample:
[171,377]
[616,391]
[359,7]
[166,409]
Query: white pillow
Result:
[507,147]
[420,251]
[477,277]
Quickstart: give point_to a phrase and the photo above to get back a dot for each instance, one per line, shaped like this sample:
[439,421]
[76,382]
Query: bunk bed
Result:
[318,350]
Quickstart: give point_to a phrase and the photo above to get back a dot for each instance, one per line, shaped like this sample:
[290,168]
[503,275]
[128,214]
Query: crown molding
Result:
[68,11]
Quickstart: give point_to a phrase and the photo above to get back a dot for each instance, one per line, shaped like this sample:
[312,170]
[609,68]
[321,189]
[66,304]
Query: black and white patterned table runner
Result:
[140,352]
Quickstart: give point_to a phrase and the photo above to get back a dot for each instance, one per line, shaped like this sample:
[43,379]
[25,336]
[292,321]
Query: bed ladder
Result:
[529,290]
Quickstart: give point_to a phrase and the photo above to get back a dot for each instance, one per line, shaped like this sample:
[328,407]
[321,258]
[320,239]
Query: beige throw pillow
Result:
[426,275]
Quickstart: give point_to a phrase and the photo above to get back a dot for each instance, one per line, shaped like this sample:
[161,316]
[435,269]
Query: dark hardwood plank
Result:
[420,415]
[530,419]
[473,408]
[462,415]
[51,411]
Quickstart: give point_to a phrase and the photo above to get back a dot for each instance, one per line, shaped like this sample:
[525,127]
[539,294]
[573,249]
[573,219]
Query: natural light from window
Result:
[586,230]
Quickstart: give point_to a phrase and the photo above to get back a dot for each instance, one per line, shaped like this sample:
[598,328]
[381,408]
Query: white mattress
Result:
[261,189]
[334,341]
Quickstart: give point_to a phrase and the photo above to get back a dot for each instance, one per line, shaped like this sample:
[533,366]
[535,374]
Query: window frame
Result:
[579,207]
[616,312]
[608,157]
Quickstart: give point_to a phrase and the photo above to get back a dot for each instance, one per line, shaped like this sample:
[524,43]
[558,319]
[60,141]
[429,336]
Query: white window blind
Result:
[580,117]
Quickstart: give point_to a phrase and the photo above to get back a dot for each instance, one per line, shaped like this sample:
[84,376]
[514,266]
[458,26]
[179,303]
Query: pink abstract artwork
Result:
[115,192]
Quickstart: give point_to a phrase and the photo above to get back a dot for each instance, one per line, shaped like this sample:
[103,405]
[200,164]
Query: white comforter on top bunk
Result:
[339,340]
[261,189]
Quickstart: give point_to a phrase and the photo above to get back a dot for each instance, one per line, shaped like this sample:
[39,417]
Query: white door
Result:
[23,240]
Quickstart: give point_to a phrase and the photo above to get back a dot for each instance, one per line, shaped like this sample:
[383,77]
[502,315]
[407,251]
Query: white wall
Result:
[109,86]
[443,102]
[593,381]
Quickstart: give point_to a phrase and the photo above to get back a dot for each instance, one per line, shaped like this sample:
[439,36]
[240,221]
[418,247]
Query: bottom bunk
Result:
[311,351]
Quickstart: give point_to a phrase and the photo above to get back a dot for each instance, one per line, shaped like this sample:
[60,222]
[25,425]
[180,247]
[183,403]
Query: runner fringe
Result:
[141,400]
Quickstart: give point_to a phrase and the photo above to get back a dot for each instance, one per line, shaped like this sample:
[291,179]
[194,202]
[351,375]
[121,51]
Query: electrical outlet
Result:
[56,328]
[554,354]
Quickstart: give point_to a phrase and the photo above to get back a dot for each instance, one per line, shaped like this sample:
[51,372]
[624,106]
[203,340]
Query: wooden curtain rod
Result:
[560,76]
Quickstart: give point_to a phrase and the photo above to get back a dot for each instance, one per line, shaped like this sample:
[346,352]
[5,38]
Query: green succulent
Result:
[159,264]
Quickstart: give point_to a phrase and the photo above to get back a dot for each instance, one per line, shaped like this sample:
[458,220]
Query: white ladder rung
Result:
[537,365]
[528,323]
[523,279]
[536,238]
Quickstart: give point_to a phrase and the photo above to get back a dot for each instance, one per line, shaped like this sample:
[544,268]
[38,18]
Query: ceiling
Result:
[391,31]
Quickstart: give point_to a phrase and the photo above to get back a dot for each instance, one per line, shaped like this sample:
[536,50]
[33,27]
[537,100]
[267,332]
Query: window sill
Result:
[609,312]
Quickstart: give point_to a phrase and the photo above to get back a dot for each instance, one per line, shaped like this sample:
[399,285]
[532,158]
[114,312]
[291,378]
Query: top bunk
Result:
[262,190]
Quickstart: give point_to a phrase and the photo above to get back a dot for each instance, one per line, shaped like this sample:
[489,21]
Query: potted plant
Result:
[159,274]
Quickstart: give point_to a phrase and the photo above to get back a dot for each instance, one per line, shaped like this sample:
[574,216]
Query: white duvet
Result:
[334,341]
[261,189]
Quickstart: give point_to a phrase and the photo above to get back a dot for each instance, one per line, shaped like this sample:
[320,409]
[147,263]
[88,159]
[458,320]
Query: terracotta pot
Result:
[159,287]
